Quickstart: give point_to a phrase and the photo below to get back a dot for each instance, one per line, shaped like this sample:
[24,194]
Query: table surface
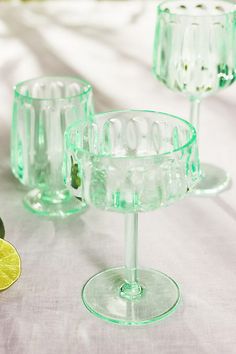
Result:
[110,45]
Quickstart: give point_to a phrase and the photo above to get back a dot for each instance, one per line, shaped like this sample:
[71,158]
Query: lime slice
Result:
[10,265]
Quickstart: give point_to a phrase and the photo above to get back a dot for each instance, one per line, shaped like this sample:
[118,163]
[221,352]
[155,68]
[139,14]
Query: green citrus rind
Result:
[10,265]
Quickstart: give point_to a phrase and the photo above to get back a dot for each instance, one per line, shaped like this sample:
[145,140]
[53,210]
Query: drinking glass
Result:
[195,53]
[131,162]
[43,108]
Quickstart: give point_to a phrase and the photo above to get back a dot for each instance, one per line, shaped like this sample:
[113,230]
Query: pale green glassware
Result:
[195,53]
[131,162]
[43,108]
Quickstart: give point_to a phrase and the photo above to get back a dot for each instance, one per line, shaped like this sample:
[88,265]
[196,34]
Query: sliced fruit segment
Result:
[10,265]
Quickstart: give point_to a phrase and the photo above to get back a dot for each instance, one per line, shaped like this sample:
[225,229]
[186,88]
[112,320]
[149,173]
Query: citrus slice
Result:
[10,265]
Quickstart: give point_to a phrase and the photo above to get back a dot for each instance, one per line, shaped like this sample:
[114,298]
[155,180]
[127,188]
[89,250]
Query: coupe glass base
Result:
[214,180]
[58,205]
[103,297]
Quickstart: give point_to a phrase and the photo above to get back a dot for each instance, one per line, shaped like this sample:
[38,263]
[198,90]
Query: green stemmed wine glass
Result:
[195,53]
[131,162]
[43,108]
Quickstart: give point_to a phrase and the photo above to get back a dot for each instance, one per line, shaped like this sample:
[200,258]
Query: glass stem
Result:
[194,119]
[194,112]
[131,289]
[131,240]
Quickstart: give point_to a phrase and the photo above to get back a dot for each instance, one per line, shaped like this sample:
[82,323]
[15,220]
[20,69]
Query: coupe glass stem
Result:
[194,113]
[131,289]
[131,240]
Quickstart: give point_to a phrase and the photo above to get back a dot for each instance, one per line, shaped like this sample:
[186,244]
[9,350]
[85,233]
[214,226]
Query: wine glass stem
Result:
[131,288]
[194,119]
[194,113]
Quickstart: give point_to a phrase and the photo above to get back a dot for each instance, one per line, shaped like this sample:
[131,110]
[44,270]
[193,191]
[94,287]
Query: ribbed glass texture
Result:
[129,162]
[132,161]
[43,108]
[195,46]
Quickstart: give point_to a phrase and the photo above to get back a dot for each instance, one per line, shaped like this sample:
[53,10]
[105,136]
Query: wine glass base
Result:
[36,203]
[158,299]
[214,180]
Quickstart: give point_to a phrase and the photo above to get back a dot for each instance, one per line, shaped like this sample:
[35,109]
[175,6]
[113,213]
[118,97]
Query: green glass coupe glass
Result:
[195,53]
[43,108]
[131,162]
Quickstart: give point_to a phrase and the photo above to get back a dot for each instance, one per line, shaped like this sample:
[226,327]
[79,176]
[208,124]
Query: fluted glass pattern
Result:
[43,108]
[195,46]
[131,161]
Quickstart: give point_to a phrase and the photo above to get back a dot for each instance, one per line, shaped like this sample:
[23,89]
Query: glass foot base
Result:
[214,180]
[102,296]
[59,205]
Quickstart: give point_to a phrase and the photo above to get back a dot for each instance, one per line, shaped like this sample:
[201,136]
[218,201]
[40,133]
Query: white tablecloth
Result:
[194,241]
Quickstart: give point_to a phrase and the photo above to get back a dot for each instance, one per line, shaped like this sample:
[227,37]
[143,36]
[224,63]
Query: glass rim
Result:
[190,141]
[161,11]
[87,88]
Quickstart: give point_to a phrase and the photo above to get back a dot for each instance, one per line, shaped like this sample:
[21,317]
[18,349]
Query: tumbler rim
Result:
[87,88]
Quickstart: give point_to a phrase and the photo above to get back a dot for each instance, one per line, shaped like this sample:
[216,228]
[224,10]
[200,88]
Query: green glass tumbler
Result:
[131,162]
[195,54]
[43,108]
